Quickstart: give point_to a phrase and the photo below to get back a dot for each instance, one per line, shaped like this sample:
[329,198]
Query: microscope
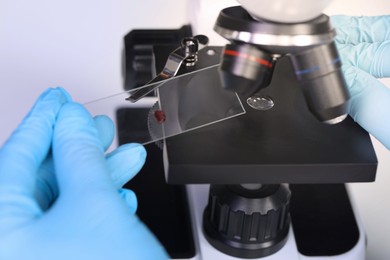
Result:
[261,171]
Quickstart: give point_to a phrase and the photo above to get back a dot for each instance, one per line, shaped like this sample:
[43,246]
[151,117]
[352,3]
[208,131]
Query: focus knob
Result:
[247,223]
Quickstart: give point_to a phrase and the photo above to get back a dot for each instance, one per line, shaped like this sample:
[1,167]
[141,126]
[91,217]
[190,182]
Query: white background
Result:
[77,44]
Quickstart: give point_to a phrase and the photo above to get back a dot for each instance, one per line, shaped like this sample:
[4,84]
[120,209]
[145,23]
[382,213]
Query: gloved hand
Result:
[61,197]
[364,46]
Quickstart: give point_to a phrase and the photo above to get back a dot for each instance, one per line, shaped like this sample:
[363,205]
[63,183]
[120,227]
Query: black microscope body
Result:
[266,169]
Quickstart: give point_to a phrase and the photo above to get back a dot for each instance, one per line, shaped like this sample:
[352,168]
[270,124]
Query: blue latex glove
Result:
[364,46]
[61,197]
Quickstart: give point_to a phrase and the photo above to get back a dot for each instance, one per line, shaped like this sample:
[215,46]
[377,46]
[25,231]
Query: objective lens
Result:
[245,68]
[319,71]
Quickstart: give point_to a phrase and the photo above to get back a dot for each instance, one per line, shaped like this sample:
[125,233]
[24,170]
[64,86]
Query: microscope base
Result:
[198,198]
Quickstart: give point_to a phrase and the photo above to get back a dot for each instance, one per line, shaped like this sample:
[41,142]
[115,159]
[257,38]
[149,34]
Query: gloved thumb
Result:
[78,153]
[370,106]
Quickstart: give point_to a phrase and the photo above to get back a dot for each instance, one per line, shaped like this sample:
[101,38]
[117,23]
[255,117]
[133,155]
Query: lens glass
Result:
[260,103]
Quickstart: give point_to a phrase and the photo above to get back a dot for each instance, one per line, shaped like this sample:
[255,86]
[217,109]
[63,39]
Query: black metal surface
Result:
[323,220]
[285,144]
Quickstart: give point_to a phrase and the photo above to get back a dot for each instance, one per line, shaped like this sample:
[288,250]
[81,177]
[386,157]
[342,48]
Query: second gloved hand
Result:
[364,46]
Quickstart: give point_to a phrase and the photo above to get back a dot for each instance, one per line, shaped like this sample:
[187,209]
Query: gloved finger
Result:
[46,186]
[125,162]
[130,199]
[370,106]
[370,57]
[355,30]
[78,153]
[106,130]
[21,156]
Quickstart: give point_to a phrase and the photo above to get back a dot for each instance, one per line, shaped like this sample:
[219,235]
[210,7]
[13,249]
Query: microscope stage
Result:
[285,144]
